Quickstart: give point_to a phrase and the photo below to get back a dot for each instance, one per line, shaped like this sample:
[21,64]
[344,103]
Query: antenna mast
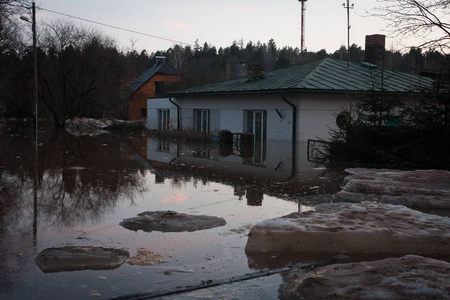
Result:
[302,39]
[348,7]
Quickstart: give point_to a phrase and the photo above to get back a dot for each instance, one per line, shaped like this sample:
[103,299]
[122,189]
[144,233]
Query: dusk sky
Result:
[219,23]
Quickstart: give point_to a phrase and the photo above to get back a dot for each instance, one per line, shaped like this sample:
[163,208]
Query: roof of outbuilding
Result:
[162,67]
[326,75]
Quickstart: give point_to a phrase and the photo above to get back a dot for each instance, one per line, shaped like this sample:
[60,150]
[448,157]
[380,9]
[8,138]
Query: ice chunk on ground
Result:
[415,189]
[71,258]
[408,277]
[171,221]
[351,228]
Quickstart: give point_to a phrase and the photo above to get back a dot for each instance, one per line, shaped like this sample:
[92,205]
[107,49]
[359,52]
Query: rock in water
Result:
[348,228]
[72,258]
[408,277]
[170,221]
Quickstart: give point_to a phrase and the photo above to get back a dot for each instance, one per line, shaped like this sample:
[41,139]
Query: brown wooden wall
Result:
[138,100]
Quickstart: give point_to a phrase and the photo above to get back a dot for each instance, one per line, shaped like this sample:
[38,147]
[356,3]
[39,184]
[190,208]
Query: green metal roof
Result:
[326,75]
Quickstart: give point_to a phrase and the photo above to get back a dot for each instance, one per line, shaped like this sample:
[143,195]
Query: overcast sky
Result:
[219,23]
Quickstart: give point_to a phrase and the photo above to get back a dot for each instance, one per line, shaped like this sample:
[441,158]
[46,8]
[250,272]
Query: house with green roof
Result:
[295,104]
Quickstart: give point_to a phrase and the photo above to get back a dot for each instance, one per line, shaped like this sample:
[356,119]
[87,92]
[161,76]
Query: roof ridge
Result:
[160,65]
[319,63]
[147,74]
[326,74]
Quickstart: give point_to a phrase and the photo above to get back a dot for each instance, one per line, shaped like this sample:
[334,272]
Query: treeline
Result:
[220,63]
[82,72]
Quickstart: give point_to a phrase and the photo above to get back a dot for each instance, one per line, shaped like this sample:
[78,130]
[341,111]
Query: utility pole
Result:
[35,96]
[35,76]
[35,83]
[302,39]
[348,7]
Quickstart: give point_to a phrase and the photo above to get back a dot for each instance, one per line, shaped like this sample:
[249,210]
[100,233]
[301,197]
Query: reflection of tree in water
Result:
[71,196]
[78,180]
[180,179]
[78,177]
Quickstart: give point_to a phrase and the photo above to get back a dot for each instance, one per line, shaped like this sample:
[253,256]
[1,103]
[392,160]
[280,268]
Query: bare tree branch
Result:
[426,20]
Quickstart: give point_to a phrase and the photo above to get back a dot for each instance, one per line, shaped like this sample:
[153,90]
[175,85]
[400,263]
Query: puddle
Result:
[84,187]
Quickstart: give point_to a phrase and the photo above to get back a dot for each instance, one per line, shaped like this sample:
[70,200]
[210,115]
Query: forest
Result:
[82,72]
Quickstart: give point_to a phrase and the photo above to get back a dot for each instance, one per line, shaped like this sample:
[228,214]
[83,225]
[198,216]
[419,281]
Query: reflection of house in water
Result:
[254,196]
[272,163]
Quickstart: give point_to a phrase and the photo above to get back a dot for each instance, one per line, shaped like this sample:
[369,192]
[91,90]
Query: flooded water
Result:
[76,191]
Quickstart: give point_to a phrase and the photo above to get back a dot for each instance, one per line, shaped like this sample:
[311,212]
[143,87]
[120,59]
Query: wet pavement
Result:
[83,187]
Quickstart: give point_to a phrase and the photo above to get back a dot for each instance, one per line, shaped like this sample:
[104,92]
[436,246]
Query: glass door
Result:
[256,125]
[164,119]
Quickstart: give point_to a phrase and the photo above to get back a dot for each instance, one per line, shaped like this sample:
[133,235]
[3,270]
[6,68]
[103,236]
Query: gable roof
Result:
[162,67]
[326,75]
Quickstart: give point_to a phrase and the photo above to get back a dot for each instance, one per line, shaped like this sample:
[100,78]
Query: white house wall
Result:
[230,111]
[187,117]
[155,104]
[316,113]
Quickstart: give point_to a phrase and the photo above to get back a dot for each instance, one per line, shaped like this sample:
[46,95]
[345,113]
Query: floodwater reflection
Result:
[280,169]
[83,187]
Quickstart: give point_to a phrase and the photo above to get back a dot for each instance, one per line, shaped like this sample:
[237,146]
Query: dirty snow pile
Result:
[87,126]
[146,258]
[72,258]
[408,277]
[351,228]
[416,189]
[366,224]
[171,221]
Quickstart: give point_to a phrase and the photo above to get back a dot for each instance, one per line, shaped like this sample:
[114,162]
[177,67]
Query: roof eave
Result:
[284,91]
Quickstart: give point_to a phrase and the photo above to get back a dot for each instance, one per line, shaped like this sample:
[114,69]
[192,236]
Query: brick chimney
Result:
[375,47]
[255,72]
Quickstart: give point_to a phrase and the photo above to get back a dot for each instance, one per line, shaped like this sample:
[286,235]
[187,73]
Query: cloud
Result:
[177,25]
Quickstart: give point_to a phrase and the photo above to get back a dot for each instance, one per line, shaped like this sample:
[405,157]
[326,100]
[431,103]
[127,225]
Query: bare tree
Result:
[10,36]
[80,72]
[180,56]
[428,20]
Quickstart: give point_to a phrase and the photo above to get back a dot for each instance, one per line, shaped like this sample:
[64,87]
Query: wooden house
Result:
[152,83]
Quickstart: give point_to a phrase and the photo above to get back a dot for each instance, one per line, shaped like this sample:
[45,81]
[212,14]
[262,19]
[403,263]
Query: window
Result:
[163,146]
[143,112]
[160,88]
[256,124]
[201,120]
[164,119]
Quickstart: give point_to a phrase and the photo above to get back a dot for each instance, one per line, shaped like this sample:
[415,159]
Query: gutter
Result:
[178,112]
[269,92]
[294,135]
[294,118]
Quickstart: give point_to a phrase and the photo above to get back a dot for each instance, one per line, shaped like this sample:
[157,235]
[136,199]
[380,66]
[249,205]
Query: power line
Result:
[115,27]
